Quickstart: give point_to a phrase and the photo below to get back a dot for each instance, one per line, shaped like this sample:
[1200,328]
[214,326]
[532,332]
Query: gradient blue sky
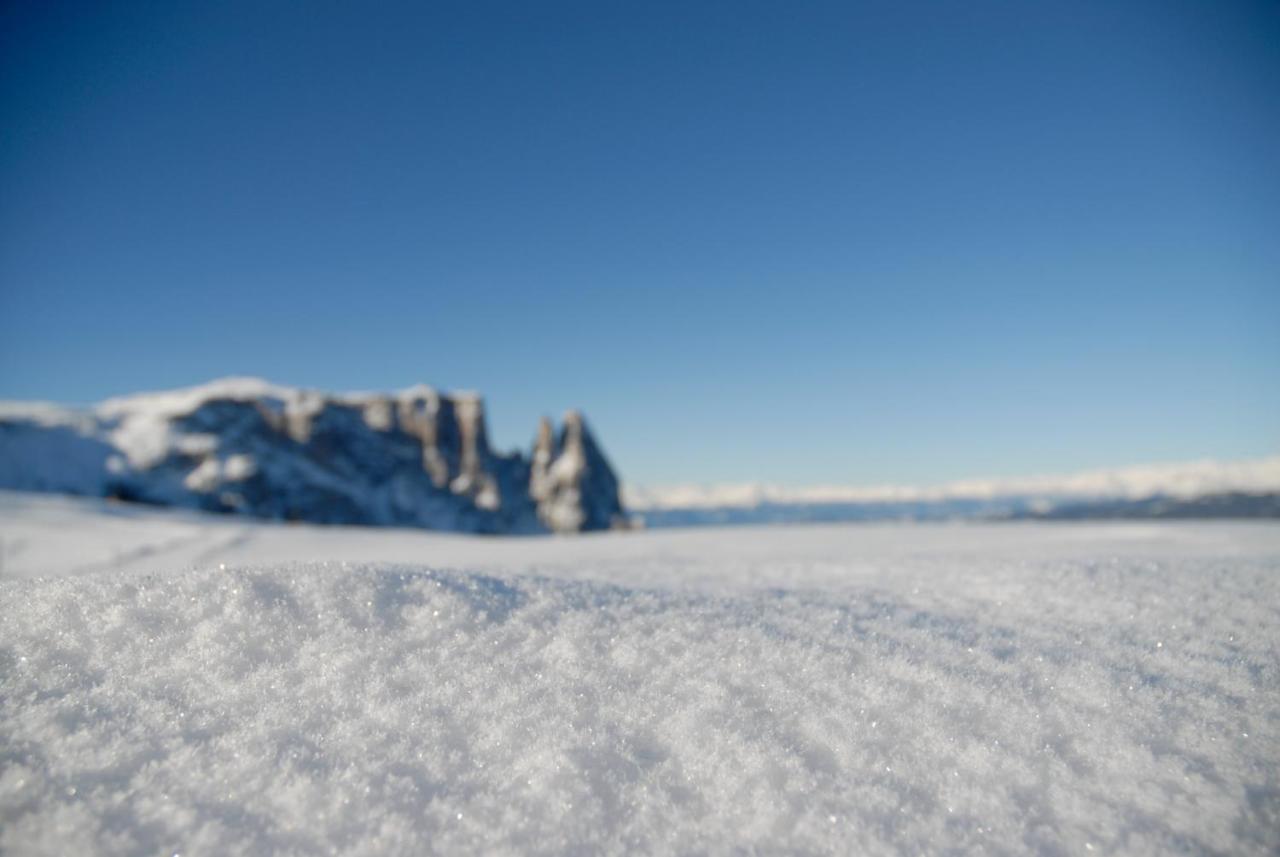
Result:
[794,242]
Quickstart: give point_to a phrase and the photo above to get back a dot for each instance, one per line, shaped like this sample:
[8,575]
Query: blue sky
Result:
[801,243]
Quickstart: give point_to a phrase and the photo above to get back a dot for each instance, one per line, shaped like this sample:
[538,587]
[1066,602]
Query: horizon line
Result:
[1178,479]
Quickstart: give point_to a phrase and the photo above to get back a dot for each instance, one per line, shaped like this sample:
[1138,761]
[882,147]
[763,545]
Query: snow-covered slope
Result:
[1025,688]
[414,458]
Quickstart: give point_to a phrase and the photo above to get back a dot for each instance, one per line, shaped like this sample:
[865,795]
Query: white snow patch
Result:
[171,403]
[213,472]
[239,467]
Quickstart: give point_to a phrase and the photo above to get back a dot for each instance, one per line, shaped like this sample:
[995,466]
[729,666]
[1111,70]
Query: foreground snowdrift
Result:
[800,694]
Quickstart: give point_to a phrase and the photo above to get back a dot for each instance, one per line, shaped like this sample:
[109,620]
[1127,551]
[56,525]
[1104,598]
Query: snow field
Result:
[934,691]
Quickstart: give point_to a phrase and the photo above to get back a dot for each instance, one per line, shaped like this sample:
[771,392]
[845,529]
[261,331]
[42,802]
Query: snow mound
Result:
[1038,706]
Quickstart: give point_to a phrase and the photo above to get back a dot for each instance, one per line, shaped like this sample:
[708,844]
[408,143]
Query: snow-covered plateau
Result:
[178,683]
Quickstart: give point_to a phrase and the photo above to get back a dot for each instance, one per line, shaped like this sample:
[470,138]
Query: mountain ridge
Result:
[417,457]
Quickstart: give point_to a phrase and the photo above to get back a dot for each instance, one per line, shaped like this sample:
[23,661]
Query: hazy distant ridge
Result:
[1207,488]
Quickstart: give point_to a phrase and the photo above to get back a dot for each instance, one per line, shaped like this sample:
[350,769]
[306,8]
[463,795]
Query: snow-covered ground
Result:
[172,683]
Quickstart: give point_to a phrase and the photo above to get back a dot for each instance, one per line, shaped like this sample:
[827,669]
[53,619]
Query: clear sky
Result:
[795,242]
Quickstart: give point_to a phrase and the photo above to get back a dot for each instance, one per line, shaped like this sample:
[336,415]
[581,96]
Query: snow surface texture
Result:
[1052,689]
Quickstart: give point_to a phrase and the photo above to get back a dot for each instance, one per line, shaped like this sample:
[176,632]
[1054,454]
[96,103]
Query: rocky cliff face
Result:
[568,471]
[414,458]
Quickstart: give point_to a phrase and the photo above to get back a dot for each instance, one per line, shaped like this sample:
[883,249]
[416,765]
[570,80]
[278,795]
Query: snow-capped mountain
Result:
[413,458]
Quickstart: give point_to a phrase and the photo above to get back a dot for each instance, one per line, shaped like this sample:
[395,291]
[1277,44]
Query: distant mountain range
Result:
[422,458]
[414,458]
[1231,504]
[1199,489]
